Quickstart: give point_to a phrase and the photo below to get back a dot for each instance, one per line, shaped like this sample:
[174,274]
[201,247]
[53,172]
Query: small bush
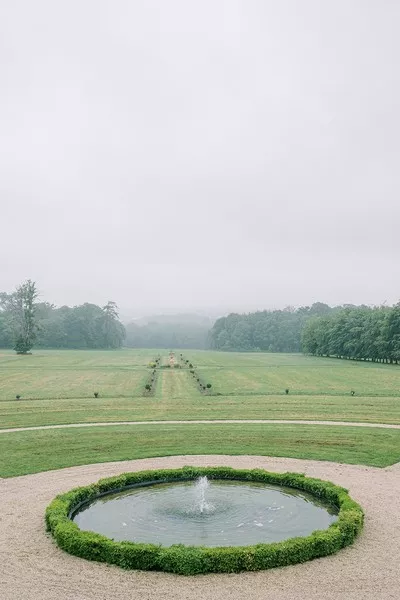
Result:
[192,560]
[18,397]
[147,387]
[286,391]
[96,394]
[209,386]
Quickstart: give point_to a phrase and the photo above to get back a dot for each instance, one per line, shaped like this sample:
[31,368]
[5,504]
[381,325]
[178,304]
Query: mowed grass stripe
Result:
[32,452]
[25,413]
[77,358]
[176,383]
[79,383]
[363,379]
[210,358]
[73,374]
[218,359]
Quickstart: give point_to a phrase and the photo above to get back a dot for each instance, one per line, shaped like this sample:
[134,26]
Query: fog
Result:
[214,155]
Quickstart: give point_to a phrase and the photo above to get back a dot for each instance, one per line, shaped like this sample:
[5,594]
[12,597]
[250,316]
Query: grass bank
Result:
[34,451]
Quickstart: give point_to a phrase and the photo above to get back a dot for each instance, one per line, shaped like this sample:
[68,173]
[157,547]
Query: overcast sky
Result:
[182,154]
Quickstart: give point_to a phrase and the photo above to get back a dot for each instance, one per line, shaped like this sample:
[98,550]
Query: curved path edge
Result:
[205,422]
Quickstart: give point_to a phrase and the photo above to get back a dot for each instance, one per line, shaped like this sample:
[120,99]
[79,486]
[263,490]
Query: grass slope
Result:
[35,451]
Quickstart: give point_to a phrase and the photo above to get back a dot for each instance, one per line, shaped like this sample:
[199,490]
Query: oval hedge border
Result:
[192,560]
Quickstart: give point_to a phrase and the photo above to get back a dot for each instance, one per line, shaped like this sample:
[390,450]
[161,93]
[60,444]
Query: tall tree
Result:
[23,317]
[113,329]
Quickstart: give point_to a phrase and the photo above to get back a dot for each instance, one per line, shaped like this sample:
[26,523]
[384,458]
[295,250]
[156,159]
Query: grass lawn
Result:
[176,383]
[77,359]
[196,407]
[34,451]
[73,374]
[338,377]
[57,388]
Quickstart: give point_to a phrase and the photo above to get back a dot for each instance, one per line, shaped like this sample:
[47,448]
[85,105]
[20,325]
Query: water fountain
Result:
[200,520]
[216,513]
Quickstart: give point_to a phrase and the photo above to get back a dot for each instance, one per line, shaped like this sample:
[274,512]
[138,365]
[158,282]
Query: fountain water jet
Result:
[201,486]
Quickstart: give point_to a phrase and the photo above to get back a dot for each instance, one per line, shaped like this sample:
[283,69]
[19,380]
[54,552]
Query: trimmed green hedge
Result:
[192,560]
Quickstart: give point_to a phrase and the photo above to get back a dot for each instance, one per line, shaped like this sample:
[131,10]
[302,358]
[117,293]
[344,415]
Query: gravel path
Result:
[33,568]
[215,421]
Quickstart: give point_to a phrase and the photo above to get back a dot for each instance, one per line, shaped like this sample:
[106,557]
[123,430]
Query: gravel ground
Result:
[33,568]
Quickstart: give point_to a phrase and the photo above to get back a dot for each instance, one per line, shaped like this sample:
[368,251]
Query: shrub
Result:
[17,397]
[96,394]
[286,391]
[147,387]
[191,560]
[209,386]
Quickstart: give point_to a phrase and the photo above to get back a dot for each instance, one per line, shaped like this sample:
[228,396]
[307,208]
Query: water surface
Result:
[224,513]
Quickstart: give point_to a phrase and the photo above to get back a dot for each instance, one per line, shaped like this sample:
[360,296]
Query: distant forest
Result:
[265,331]
[25,323]
[84,326]
[361,333]
[353,332]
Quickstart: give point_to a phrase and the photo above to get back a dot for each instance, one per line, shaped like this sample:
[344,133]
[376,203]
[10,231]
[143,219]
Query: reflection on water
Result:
[215,513]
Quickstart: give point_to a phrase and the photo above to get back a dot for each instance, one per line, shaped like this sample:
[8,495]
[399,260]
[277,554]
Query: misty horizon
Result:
[222,157]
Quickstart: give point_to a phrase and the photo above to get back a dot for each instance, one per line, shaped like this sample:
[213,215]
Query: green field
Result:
[72,374]
[34,451]
[57,387]
[272,373]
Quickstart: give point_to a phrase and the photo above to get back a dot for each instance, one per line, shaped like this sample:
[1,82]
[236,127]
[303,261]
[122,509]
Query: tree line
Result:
[353,332]
[265,331]
[25,322]
[356,332]
[359,333]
